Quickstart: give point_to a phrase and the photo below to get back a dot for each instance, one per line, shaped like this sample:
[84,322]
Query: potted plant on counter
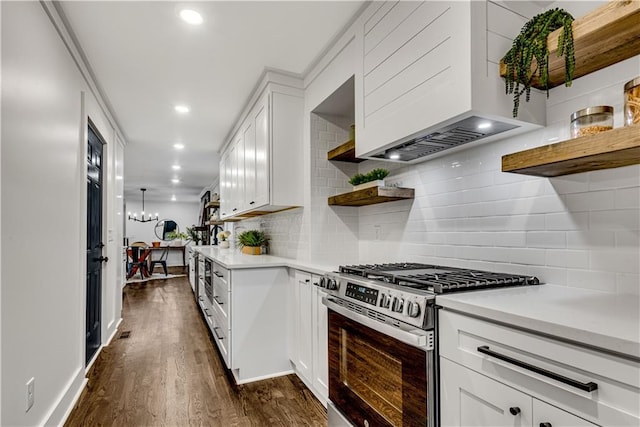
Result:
[177,238]
[375,178]
[251,241]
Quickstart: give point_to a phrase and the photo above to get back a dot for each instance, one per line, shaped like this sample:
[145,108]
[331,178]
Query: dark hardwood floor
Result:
[168,373]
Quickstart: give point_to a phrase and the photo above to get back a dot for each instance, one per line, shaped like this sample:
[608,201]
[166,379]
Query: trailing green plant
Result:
[192,234]
[531,44]
[251,238]
[374,175]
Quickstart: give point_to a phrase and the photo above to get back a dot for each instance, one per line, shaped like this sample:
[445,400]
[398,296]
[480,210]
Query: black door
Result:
[94,243]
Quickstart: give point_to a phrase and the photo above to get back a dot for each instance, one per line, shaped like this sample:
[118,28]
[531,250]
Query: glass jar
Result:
[592,120]
[632,102]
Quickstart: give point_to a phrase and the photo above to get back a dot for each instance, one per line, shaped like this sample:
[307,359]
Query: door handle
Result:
[101,259]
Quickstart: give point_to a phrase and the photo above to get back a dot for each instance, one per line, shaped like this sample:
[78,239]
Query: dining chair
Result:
[162,261]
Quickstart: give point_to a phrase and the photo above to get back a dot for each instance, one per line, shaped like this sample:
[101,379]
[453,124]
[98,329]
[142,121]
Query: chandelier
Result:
[142,218]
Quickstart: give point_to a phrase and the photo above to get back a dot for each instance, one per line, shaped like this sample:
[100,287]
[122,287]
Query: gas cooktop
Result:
[436,278]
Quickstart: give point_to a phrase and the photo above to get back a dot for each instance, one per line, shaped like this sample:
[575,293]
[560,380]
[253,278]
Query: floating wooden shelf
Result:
[345,153]
[211,205]
[605,36]
[371,196]
[606,150]
[210,223]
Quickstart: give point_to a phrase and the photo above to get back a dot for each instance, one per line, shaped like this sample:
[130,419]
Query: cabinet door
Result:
[238,205]
[471,399]
[320,340]
[304,362]
[249,137]
[225,169]
[545,415]
[261,165]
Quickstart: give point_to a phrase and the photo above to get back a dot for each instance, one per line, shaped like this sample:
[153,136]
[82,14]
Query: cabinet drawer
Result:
[532,360]
[221,273]
[220,316]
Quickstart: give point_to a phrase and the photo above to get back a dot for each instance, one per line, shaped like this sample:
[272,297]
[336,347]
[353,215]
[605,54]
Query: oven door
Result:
[379,375]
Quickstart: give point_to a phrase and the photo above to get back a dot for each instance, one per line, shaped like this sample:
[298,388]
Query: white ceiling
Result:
[146,60]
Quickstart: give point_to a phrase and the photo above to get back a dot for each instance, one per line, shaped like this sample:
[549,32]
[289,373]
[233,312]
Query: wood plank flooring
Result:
[168,373]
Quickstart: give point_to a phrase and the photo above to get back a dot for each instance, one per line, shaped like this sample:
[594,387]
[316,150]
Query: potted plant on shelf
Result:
[177,238]
[251,241]
[529,49]
[375,178]
[223,237]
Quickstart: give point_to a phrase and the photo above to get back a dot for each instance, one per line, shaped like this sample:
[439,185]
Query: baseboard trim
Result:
[59,414]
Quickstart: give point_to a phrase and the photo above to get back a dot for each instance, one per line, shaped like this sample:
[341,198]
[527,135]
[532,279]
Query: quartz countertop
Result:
[597,319]
[234,259]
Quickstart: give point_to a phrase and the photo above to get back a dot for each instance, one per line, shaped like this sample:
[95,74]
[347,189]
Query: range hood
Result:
[429,81]
[443,138]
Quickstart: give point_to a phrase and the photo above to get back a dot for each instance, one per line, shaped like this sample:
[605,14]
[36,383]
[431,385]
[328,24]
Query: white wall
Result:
[46,99]
[580,230]
[184,214]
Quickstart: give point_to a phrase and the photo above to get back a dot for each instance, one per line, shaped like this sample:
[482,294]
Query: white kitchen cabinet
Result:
[586,386]
[310,355]
[472,399]
[426,65]
[247,321]
[320,341]
[266,153]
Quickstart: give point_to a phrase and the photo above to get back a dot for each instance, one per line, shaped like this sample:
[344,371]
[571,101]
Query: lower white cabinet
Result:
[472,399]
[247,320]
[495,375]
[310,341]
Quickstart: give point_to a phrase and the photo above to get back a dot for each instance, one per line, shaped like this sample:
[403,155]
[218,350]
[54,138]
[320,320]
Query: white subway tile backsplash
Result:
[546,239]
[616,261]
[627,239]
[567,221]
[589,279]
[567,258]
[526,256]
[585,239]
[628,283]
[591,201]
[628,219]
[627,198]
[628,176]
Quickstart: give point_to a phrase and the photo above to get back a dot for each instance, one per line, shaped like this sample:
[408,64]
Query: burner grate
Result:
[464,280]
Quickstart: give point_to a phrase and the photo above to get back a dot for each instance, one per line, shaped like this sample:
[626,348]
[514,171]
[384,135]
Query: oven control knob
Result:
[398,305]
[413,309]
[332,284]
[385,300]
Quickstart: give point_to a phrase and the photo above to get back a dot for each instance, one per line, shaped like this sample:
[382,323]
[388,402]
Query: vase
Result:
[224,244]
[251,250]
[377,183]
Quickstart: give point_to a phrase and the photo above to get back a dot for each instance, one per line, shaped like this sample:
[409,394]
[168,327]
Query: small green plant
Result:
[251,238]
[531,44]
[374,175]
[177,235]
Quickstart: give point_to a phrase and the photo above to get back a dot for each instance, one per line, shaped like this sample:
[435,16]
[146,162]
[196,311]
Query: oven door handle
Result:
[412,336]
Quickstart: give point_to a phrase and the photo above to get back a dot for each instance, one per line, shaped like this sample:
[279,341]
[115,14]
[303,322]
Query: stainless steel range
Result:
[382,359]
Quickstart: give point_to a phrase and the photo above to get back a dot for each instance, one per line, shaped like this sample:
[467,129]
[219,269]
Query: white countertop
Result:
[234,259]
[605,320]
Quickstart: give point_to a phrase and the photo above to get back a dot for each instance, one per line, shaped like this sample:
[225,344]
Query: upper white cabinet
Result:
[265,156]
[429,65]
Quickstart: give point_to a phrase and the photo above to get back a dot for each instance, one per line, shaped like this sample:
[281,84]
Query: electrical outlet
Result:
[377,228]
[31,396]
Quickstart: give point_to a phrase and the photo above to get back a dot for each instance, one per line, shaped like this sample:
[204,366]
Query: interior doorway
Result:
[94,243]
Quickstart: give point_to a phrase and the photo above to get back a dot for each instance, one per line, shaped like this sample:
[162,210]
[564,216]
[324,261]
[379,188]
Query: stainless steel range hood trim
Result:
[514,127]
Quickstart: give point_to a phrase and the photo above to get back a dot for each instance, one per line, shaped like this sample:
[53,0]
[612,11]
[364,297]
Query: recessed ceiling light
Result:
[182,109]
[484,125]
[118,177]
[176,167]
[173,198]
[175,180]
[178,146]
[394,156]
[190,16]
